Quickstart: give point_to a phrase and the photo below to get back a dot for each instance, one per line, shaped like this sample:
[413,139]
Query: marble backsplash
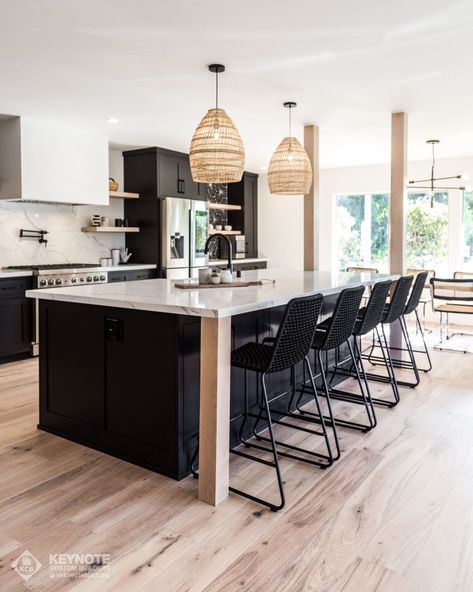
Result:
[66,242]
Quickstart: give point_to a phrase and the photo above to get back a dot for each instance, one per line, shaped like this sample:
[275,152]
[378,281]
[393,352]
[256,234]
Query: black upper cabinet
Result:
[171,171]
[174,176]
[245,194]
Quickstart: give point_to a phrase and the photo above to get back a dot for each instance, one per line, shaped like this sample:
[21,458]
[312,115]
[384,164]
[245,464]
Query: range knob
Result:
[50,282]
[102,278]
[58,281]
[42,283]
[96,278]
[74,280]
[89,278]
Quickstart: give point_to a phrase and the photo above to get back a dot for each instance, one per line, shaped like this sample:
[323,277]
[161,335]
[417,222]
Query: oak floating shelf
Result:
[222,206]
[225,232]
[123,195]
[110,229]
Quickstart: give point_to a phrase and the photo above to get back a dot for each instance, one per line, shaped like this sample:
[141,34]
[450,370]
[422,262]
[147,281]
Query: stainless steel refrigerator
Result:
[184,230]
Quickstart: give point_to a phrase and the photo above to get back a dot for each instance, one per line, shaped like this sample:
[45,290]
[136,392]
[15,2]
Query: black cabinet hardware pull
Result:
[114,329]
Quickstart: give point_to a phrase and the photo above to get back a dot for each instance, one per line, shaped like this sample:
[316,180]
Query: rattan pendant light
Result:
[216,154]
[290,171]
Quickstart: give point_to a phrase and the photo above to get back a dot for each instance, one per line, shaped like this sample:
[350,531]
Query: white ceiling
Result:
[348,65]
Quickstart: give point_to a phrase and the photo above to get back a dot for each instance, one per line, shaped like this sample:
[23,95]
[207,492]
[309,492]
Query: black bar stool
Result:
[291,346]
[368,320]
[393,312]
[411,307]
[329,335]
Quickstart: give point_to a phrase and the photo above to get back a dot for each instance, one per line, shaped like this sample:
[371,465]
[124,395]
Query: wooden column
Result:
[214,422]
[311,201]
[398,191]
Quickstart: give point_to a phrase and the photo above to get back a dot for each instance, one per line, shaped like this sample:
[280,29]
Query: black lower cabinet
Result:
[249,266]
[16,317]
[131,275]
[127,381]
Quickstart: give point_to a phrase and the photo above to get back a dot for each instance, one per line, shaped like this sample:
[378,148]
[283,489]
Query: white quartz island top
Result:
[161,295]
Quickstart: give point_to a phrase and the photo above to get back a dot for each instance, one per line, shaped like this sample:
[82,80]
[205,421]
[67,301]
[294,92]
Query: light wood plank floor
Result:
[395,514]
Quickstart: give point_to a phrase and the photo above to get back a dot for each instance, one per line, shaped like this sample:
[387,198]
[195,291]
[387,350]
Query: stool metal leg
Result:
[359,399]
[274,463]
[324,460]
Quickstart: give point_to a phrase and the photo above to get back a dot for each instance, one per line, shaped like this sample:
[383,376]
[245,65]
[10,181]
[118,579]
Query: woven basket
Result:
[216,154]
[112,184]
[290,171]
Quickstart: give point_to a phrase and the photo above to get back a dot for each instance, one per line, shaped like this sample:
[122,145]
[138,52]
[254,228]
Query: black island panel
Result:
[126,382]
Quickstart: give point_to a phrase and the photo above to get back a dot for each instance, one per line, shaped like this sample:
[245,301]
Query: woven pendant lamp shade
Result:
[290,171]
[217,154]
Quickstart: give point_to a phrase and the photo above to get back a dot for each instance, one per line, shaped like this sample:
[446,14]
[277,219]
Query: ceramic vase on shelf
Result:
[115,256]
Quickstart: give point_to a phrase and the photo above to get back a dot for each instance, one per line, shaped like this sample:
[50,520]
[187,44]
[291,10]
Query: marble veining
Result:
[66,242]
[161,295]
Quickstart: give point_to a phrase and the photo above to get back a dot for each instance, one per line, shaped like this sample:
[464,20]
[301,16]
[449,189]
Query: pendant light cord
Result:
[290,122]
[433,167]
[216,89]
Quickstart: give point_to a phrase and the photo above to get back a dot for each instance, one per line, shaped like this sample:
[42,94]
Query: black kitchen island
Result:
[120,366]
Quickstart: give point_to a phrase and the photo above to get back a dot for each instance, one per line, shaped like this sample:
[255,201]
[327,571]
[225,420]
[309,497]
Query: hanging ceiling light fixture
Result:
[432,189]
[216,154]
[290,171]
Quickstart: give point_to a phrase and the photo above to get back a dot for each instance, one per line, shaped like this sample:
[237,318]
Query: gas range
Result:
[66,274]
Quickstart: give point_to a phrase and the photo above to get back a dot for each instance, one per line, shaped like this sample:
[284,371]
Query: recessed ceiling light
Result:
[112,120]
[264,168]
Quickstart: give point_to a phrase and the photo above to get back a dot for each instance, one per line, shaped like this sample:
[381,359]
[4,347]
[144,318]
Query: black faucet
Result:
[219,235]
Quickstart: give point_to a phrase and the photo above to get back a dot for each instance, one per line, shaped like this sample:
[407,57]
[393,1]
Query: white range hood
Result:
[46,161]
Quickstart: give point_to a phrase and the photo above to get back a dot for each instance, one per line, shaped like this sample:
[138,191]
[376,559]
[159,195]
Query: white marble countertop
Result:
[10,273]
[127,266]
[161,295]
[6,273]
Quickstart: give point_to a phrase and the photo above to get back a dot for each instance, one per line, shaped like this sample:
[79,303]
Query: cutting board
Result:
[205,286]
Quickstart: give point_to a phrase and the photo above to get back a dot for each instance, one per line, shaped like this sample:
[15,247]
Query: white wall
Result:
[66,242]
[280,228]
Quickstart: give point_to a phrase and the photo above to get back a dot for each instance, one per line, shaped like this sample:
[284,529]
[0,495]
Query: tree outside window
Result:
[362,230]
[427,232]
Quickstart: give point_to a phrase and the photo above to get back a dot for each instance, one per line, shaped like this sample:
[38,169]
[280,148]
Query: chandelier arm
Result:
[436,179]
[446,178]
[435,188]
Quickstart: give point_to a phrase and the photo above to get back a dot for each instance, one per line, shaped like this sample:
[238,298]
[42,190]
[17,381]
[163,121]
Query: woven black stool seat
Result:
[252,356]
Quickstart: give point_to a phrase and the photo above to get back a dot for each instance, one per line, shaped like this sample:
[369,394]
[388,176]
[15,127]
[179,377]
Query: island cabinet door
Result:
[71,370]
[141,385]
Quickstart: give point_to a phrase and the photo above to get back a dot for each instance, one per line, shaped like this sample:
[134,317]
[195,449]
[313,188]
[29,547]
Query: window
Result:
[427,232]
[468,230]
[361,231]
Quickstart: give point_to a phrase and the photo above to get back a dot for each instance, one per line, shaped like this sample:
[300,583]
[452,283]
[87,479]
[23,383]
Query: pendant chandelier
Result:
[432,188]
[290,171]
[216,153]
